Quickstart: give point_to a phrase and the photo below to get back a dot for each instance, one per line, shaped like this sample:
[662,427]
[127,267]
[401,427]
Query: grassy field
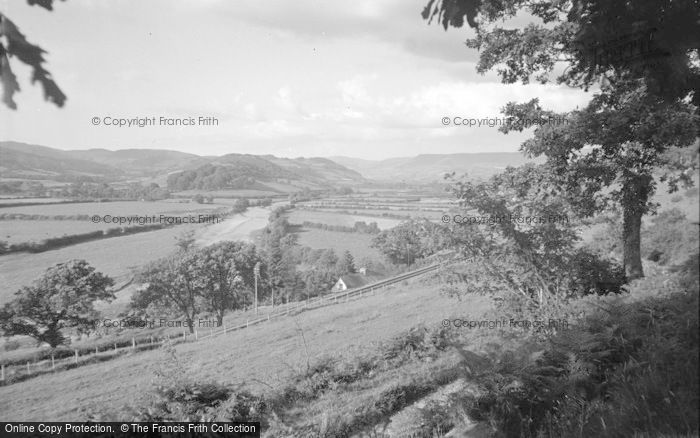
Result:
[118,208]
[357,243]
[241,193]
[18,231]
[334,218]
[260,358]
[117,256]
[4,201]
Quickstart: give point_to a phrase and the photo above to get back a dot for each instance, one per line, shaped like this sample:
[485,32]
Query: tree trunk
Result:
[636,191]
[632,253]
[190,324]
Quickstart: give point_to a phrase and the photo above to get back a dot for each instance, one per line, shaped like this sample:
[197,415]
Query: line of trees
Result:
[214,279]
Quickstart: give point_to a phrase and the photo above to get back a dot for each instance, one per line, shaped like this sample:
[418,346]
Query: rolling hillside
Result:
[18,160]
[264,173]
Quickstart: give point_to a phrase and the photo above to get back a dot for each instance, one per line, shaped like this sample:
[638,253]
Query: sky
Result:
[364,78]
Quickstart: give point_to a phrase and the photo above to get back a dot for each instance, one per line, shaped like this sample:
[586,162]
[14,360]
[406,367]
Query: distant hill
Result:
[263,172]
[19,160]
[432,167]
[185,171]
[141,161]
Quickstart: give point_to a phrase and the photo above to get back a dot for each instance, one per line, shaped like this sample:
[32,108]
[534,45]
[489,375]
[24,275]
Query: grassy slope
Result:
[268,353]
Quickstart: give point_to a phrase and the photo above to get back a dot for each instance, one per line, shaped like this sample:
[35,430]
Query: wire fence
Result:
[13,373]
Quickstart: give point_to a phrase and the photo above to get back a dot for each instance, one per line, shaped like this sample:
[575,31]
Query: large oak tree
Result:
[644,58]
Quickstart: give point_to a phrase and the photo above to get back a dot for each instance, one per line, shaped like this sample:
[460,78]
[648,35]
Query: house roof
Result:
[353,281]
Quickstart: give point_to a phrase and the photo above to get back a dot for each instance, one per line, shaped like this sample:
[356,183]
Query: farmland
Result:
[299,216]
[117,208]
[118,256]
[18,231]
[386,210]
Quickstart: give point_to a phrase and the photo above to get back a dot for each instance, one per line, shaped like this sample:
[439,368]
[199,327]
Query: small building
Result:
[353,281]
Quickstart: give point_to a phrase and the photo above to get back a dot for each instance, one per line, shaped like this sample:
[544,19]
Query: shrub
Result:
[591,274]
[628,367]
[418,343]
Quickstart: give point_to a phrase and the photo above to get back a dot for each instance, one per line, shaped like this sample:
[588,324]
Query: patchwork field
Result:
[118,208]
[299,216]
[117,256]
[241,193]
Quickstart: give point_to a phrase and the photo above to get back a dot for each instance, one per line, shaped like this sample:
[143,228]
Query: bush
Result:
[418,343]
[591,274]
[628,367]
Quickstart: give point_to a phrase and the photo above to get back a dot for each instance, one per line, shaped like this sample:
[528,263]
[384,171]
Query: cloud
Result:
[394,22]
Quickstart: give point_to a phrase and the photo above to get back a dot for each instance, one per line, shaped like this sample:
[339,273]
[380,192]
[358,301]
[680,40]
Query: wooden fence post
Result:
[268,317]
[76,357]
[247,321]
[115,346]
[96,350]
[53,364]
[196,335]
[28,372]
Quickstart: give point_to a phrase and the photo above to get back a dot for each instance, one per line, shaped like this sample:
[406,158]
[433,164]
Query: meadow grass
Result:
[262,358]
